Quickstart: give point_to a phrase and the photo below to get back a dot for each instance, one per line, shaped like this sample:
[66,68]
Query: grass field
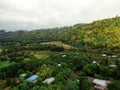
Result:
[43,54]
[58,43]
[5,63]
[0,50]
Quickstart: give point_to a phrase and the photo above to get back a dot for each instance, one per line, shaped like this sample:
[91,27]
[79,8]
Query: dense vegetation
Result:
[24,52]
[99,34]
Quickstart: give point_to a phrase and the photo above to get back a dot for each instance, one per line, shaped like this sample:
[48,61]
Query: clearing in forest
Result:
[58,43]
[0,50]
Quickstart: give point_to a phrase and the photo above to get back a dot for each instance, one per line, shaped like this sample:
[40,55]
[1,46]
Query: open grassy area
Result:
[5,63]
[58,43]
[0,50]
[43,54]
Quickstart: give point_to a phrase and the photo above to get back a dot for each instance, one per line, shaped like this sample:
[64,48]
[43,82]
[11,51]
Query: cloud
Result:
[33,14]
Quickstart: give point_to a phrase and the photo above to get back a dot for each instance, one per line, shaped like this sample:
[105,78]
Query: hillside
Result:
[102,33]
[98,34]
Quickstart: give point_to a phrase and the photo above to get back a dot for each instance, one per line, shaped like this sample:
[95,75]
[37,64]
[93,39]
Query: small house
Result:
[114,56]
[77,53]
[104,55]
[112,65]
[63,55]
[100,82]
[59,65]
[49,80]
[33,79]
[78,80]
[95,62]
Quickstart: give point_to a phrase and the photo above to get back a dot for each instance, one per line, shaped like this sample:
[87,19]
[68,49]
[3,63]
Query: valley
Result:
[79,57]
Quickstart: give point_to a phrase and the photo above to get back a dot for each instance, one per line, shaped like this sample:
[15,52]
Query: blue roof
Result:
[32,78]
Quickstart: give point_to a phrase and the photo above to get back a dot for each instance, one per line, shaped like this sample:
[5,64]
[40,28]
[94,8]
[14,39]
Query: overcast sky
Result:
[35,14]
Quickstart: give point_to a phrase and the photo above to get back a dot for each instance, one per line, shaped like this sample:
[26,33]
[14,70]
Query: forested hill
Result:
[101,33]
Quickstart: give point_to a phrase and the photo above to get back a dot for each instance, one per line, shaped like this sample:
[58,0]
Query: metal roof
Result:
[100,82]
[32,78]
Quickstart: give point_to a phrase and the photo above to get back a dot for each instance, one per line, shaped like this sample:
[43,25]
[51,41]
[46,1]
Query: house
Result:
[112,65]
[33,79]
[77,53]
[49,80]
[114,56]
[98,83]
[22,76]
[63,55]
[95,62]
[59,65]
[78,80]
[104,55]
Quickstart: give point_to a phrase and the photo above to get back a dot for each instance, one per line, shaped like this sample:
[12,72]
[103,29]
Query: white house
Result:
[63,55]
[100,82]
[95,62]
[59,65]
[104,55]
[112,65]
[49,80]
[114,56]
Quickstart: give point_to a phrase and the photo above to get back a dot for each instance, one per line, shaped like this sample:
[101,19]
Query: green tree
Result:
[84,84]
[114,85]
[72,85]
[11,81]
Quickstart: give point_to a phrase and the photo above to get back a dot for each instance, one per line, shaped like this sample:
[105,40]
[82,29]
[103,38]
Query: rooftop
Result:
[32,78]
[100,82]
[49,80]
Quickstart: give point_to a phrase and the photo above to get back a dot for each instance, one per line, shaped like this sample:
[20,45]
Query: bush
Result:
[72,85]
[84,84]
[115,85]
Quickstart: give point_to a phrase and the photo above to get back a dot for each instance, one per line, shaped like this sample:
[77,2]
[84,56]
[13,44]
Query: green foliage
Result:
[5,64]
[99,34]
[23,86]
[52,87]
[99,71]
[114,85]
[72,85]
[84,84]
[9,71]
[20,71]
[28,73]
[37,46]
[37,87]
[11,81]
[91,69]
[45,72]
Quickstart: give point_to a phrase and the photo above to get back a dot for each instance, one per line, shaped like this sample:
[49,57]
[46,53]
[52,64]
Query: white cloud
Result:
[32,14]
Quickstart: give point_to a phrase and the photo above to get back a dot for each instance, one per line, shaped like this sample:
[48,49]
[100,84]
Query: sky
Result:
[37,14]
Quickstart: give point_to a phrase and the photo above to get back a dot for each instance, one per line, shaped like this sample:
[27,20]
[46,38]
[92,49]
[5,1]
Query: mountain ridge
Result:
[100,33]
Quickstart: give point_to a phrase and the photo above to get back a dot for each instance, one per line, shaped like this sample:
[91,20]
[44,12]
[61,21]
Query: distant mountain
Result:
[99,34]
